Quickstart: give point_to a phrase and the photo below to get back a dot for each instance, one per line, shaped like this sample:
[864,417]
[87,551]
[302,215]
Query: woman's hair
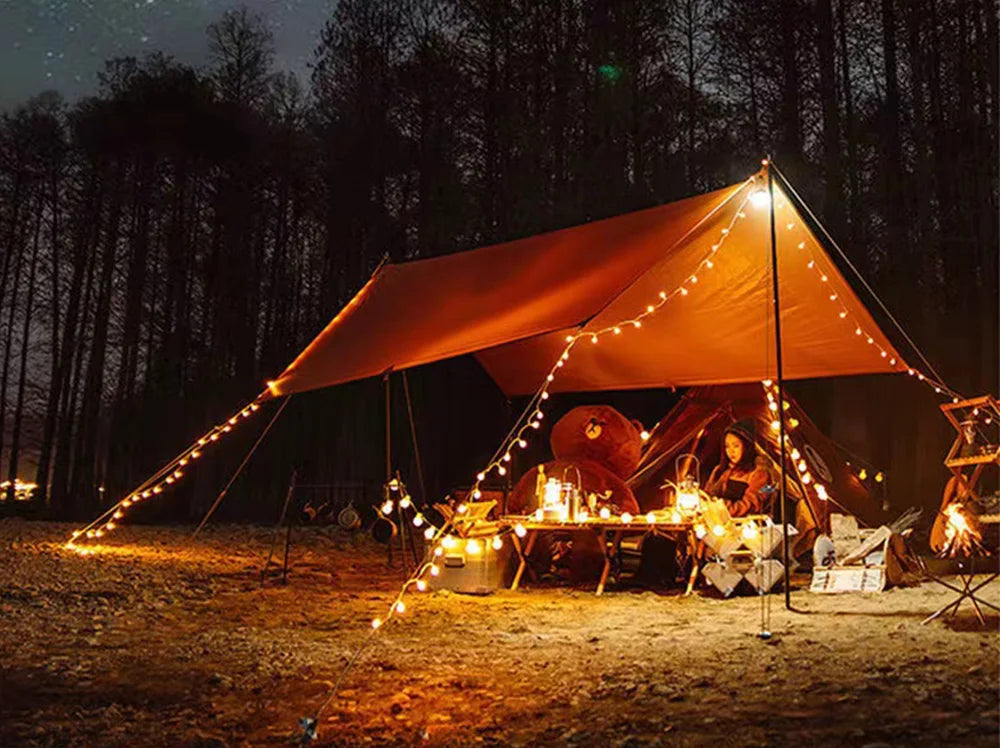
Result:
[748,461]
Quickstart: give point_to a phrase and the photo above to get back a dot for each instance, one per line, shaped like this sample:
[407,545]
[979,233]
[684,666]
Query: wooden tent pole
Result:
[781,389]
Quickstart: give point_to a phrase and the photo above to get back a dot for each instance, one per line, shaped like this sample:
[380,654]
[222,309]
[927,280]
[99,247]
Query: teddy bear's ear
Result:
[638,425]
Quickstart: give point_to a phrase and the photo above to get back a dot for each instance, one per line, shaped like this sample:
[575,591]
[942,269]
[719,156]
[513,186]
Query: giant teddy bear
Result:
[602,444]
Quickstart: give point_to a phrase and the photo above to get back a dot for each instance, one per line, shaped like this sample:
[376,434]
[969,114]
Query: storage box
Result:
[475,573]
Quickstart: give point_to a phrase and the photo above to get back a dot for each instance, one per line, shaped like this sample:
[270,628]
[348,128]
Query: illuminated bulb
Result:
[117,515]
[227,428]
[699,532]
[565,356]
[183,462]
[649,309]
[724,231]
[481,476]
[535,424]
[387,508]
[684,291]
[605,513]
[109,526]
[870,341]
[843,315]
[773,405]
[802,466]
[170,479]
[650,518]
[863,474]
[821,492]
[201,442]
[775,425]
[833,297]
[811,264]
[502,470]
[749,531]
[178,473]
[663,295]
[232,420]
[421,585]
[626,518]
[477,494]
[802,245]
[539,515]
[195,455]
[884,354]
[719,530]
[127,503]
[439,551]
[549,378]
[400,606]
[448,542]
[473,547]
[506,457]
[892,362]
[519,530]
[254,407]
[545,396]
[793,422]
[796,454]
[637,323]
[214,437]
[569,338]
[857,330]
[767,382]
[560,363]
[429,533]
[823,278]
[497,543]
[879,477]
[245,413]
[418,520]
[522,443]
[709,264]
[789,226]
[462,509]
[593,338]
[806,478]
[618,331]
[644,436]
[694,278]
[675,517]
[435,570]
[539,415]
[404,503]
[785,405]
[91,533]
[146,494]
[376,622]
[741,214]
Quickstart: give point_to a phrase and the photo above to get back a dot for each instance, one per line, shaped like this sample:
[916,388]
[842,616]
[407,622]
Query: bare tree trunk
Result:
[15,441]
[833,201]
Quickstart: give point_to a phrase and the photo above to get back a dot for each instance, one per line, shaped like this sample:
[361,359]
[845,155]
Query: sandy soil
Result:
[160,640]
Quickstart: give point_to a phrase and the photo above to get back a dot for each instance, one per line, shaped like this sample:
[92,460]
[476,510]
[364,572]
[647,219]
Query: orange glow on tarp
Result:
[513,305]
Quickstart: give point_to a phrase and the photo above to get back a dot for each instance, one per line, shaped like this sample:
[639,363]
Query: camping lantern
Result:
[688,494]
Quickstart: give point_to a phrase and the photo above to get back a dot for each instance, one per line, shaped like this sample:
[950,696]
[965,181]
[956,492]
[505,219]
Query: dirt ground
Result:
[160,640]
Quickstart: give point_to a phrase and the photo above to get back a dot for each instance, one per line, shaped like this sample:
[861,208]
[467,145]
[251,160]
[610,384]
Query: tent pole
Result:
[781,388]
[388,429]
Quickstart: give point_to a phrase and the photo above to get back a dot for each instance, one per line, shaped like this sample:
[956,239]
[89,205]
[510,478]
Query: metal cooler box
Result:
[477,568]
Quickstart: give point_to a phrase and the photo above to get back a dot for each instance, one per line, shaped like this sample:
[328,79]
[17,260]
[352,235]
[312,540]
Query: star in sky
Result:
[62,44]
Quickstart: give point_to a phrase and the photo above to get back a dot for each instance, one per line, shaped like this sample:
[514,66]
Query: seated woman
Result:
[738,479]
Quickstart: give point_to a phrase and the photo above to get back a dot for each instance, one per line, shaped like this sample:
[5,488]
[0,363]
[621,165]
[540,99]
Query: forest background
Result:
[171,242]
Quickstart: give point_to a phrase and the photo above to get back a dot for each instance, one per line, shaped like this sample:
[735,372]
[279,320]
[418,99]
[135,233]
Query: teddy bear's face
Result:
[600,434]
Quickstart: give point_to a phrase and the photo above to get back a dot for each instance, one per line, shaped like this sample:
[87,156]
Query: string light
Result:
[169,474]
[844,314]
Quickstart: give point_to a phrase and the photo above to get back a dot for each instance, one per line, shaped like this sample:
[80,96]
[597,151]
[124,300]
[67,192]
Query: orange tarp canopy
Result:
[514,304]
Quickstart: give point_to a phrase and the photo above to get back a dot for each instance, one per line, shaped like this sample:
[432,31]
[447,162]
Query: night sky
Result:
[62,44]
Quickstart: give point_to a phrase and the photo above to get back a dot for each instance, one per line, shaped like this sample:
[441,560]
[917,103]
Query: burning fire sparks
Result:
[961,538]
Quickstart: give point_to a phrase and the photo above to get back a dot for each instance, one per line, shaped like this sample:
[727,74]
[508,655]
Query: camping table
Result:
[602,528]
[967,577]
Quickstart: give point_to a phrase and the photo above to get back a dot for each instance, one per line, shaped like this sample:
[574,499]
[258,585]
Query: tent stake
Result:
[781,388]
